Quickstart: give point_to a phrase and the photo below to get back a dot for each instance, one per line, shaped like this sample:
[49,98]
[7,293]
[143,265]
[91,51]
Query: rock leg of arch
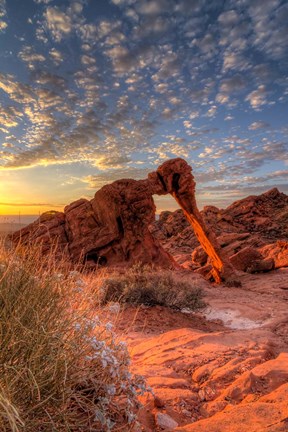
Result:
[175,177]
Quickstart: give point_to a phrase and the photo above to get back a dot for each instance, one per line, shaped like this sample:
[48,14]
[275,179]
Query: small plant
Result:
[61,369]
[149,286]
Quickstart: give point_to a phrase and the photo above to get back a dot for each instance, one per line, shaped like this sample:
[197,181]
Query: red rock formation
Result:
[110,229]
[48,229]
[175,177]
[251,260]
[255,222]
[278,252]
[113,228]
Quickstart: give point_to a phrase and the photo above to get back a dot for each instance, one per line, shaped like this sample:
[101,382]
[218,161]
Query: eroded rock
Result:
[256,222]
[110,229]
[113,228]
[117,227]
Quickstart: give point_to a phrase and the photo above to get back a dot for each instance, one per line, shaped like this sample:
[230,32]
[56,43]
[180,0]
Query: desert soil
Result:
[224,369]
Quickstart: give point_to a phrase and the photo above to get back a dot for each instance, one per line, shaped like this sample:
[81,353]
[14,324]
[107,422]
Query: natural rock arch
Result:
[113,228]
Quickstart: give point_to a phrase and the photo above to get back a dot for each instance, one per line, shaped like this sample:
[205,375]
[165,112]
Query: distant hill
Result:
[8,227]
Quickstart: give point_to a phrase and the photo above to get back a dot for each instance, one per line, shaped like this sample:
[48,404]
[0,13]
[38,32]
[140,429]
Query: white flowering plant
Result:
[61,367]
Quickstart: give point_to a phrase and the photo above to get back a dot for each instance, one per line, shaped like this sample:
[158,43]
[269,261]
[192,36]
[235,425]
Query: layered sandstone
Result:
[110,229]
[113,228]
[256,222]
[117,227]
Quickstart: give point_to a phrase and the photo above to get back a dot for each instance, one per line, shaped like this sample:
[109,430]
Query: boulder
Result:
[278,252]
[251,260]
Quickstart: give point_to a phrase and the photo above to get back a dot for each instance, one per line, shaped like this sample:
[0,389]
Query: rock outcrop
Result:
[175,177]
[113,228]
[256,222]
[117,227]
[110,229]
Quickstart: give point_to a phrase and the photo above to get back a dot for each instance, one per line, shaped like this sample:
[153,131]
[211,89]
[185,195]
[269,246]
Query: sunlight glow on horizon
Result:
[96,91]
[27,210]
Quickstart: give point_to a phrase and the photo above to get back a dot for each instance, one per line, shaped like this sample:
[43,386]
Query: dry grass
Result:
[149,286]
[61,369]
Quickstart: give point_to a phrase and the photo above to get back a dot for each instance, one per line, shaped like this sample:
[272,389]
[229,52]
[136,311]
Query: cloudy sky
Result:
[96,90]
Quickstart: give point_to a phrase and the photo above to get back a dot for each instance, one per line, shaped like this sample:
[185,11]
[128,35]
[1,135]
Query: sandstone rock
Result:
[266,214]
[175,177]
[199,256]
[255,221]
[49,230]
[158,402]
[164,421]
[110,229]
[118,227]
[251,260]
[278,252]
[113,228]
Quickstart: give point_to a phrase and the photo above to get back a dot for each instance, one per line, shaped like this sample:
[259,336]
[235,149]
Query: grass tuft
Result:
[149,286]
[61,369]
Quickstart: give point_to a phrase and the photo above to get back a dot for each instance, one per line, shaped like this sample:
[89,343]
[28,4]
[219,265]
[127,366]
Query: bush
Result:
[61,369]
[148,286]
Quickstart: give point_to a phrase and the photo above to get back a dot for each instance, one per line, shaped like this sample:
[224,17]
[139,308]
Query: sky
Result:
[92,91]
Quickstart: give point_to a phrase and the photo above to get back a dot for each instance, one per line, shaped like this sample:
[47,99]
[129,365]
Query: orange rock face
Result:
[256,222]
[175,177]
[110,229]
[113,227]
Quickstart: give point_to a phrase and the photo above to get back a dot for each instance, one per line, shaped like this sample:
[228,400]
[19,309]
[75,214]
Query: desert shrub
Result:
[61,369]
[149,286]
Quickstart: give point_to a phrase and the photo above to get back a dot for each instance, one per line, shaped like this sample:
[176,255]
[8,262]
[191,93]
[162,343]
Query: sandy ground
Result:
[222,369]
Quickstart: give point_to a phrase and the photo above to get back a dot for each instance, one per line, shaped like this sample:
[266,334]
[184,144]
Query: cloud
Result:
[187,124]
[3,13]
[153,7]
[126,61]
[88,33]
[87,60]
[9,116]
[58,22]
[29,56]
[3,25]
[229,18]
[257,98]
[233,84]
[168,67]
[212,111]
[108,162]
[228,87]
[17,91]
[258,125]
[234,61]
[97,181]
[2,8]
[56,56]
[269,27]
